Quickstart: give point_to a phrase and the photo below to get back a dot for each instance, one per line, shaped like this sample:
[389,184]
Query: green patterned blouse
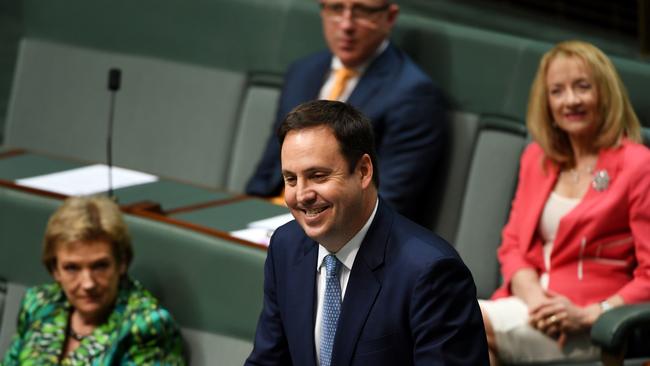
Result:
[138,331]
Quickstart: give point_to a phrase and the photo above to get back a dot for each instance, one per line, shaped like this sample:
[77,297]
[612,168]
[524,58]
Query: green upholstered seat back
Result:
[253,128]
[171,119]
[490,187]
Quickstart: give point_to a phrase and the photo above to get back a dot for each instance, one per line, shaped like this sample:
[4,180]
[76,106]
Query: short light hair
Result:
[85,219]
[617,116]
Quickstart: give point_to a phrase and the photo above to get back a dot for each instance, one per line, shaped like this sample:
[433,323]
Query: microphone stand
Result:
[114,76]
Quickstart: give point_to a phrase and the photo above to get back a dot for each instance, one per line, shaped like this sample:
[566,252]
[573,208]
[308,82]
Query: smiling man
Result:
[351,281]
[362,67]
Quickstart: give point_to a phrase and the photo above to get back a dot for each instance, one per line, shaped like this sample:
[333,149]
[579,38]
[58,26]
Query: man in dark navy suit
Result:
[351,281]
[364,69]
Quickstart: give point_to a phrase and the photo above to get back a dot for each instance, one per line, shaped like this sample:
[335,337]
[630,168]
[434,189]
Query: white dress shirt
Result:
[346,256]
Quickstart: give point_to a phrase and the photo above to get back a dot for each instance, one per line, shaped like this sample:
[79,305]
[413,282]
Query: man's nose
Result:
[305,192]
[347,19]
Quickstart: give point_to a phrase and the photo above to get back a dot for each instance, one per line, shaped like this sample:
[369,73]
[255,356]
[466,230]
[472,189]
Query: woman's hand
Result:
[558,316]
[525,285]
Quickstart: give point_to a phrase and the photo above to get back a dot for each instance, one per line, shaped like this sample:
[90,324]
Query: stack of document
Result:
[260,231]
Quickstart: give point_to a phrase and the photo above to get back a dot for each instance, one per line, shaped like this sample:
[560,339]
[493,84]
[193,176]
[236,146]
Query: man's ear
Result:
[365,170]
[393,11]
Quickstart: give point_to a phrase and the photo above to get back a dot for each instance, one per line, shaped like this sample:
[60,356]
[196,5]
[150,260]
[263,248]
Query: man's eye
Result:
[362,11]
[290,180]
[336,8]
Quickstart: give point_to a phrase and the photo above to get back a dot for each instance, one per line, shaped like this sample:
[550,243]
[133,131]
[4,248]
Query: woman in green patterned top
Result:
[94,314]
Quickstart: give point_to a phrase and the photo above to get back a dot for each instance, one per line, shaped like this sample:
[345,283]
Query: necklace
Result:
[76,336]
[575,173]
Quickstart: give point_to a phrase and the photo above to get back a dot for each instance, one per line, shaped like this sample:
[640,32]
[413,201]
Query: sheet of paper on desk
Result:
[256,235]
[271,223]
[87,180]
[260,231]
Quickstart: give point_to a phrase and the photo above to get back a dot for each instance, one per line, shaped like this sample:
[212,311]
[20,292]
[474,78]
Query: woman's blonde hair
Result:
[618,118]
[85,219]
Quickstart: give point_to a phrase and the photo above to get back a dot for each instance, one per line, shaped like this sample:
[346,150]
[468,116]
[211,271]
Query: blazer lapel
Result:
[94,345]
[363,287]
[51,342]
[309,88]
[374,78]
[301,287]
[537,202]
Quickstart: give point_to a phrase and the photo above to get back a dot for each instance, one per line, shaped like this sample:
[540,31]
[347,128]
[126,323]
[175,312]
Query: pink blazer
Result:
[602,246]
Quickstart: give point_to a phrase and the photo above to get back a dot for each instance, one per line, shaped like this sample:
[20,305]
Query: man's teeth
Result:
[315,211]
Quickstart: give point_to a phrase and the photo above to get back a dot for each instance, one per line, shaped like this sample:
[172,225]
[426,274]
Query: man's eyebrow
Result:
[310,170]
[317,169]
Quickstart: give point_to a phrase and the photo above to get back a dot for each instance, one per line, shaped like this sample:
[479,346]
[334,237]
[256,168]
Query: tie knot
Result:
[341,77]
[345,73]
[332,265]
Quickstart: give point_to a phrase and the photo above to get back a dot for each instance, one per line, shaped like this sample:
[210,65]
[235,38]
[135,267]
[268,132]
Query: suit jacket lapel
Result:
[310,87]
[374,77]
[537,202]
[363,287]
[301,286]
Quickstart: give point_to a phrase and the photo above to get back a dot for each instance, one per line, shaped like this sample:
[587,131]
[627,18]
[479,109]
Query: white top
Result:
[352,82]
[556,207]
[346,256]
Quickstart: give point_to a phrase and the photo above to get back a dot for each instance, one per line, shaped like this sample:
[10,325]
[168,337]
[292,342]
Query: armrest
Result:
[613,327]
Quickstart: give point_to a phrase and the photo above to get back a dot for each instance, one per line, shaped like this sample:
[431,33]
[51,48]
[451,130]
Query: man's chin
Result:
[314,231]
[349,58]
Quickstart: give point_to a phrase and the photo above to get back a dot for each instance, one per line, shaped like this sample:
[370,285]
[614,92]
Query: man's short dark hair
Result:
[351,128]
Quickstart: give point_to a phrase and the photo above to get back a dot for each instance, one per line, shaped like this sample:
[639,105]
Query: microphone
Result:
[114,80]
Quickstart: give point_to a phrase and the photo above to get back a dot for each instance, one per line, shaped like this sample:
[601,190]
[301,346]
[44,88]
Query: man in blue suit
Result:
[351,281]
[406,109]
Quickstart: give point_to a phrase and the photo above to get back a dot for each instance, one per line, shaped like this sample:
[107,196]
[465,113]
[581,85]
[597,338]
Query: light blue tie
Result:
[331,309]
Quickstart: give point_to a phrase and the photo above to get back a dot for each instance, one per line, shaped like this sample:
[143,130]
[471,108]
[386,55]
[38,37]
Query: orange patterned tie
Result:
[341,78]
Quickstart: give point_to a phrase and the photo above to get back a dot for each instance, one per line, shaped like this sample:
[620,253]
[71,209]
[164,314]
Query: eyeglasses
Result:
[336,11]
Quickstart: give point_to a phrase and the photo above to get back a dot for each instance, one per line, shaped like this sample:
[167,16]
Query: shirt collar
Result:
[337,64]
[348,252]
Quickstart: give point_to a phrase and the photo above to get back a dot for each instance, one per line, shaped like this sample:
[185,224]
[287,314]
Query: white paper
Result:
[87,180]
[256,235]
[272,223]
[260,231]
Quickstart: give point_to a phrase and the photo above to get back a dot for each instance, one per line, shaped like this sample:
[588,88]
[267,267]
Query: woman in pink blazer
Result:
[577,242]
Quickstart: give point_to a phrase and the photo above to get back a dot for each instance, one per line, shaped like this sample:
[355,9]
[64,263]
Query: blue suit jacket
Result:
[409,118]
[410,300]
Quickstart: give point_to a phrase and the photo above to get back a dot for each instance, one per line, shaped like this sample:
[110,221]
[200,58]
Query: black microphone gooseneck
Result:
[114,79]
